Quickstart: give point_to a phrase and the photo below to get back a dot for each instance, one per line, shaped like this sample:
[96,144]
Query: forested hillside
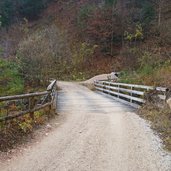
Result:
[77,39]
[41,40]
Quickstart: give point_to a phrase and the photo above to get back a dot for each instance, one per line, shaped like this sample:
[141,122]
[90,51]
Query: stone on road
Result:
[97,134]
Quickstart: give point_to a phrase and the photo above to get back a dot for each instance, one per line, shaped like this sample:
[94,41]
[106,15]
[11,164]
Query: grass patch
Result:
[10,78]
[151,69]
[149,75]
[160,121]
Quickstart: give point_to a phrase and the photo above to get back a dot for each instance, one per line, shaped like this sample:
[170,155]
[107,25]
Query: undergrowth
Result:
[17,130]
[152,71]
[10,78]
[160,121]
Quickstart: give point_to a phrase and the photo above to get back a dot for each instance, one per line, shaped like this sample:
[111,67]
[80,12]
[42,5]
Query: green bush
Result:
[10,79]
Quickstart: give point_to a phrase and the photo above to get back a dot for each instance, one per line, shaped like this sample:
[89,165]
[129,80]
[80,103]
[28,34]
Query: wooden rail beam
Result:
[129,92]
[49,98]
[6,118]
[23,96]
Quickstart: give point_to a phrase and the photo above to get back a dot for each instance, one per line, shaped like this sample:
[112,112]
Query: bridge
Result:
[95,132]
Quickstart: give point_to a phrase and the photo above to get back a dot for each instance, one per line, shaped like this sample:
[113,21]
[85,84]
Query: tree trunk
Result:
[159,14]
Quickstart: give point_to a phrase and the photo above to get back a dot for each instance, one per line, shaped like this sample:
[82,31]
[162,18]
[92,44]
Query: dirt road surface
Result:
[96,134]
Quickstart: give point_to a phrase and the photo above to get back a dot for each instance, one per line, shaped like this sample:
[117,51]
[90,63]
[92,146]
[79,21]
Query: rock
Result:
[168,101]
[168,97]
[48,126]
[113,76]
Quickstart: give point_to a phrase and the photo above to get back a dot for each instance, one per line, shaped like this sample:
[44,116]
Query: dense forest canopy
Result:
[77,39]
[141,10]
[10,10]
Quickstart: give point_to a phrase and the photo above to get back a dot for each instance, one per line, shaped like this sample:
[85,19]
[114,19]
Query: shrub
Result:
[82,52]
[160,120]
[44,55]
[10,78]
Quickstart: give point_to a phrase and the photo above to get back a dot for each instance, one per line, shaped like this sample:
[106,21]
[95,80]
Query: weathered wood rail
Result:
[128,93]
[28,103]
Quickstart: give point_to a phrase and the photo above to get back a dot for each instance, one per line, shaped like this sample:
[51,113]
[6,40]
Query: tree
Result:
[147,13]
[0,21]
[43,55]
[101,28]
[6,12]
[113,3]
[31,8]
[110,2]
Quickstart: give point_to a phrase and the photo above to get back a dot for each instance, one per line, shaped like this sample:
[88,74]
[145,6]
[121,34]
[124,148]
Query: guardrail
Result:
[27,103]
[128,93]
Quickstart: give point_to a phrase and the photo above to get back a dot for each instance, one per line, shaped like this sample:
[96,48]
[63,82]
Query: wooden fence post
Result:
[31,106]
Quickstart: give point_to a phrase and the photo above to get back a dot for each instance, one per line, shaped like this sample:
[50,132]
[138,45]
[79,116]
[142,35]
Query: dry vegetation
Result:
[18,131]
[160,121]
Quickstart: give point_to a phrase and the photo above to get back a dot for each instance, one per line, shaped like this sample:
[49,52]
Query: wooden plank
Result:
[106,87]
[127,85]
[50,87]
[121,89]
[100,85]
[135,86]
[132,91]
[122,101]
[24,112]
[161,89]
[31,96]
[16,97]
[121,95]
[100,89]
[126,96]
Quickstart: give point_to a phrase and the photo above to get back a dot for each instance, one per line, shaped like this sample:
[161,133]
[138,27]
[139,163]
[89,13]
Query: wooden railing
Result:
[128,93]
[15,106]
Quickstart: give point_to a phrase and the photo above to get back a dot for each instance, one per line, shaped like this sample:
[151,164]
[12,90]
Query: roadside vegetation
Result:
[152,70]
[10,78]
[160,119]
[20,130]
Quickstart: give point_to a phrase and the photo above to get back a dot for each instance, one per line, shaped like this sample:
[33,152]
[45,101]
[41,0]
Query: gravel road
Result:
[96,134]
